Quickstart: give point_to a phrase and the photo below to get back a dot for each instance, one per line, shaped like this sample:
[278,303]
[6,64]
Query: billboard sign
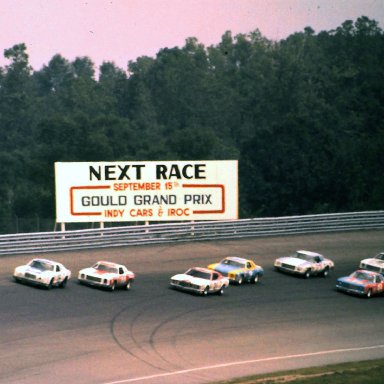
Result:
[146,191]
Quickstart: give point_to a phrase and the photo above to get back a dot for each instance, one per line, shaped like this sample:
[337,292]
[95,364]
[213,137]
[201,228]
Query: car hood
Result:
[353,281]
[292,261]
[96,273]
[190,279]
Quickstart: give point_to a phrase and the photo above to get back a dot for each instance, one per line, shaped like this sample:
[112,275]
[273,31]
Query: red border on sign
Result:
[72,189]
[221,186]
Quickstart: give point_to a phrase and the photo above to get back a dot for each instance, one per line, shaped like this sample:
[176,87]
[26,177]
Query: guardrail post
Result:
[63,230]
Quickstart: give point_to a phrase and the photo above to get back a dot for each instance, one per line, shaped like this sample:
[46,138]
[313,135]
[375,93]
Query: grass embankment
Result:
[364,372]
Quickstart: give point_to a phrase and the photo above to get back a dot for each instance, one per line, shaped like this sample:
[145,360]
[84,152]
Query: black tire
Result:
[325,272]
[205,292]
[113,286]
[128,285]
[220,292]
[50,285]
[369,294]
[307,274]
[255,279]
[240,280]
[63,284]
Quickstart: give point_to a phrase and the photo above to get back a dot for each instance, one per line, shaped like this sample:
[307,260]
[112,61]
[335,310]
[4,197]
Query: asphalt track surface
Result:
[153,334]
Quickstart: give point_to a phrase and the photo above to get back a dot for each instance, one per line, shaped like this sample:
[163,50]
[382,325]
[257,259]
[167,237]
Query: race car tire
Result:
[307,274]
[113,286]
[50,285]
[221,290]
[369,293]
[128,285]
[240,280]
[255,279]
[205,292]
[63,283]
[325,272]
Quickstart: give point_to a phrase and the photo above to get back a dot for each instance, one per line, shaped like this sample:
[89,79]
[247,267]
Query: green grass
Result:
[363,372]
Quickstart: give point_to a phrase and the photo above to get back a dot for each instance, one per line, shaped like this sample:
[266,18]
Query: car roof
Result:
[203,269]
[45,260]
[109,263]
[309,253]
[236,258]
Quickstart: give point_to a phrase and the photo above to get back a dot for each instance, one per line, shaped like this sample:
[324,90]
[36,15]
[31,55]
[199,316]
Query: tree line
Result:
[304,116]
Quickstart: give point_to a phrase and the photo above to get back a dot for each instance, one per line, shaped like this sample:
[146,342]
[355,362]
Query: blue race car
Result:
[238,270]
[362,283]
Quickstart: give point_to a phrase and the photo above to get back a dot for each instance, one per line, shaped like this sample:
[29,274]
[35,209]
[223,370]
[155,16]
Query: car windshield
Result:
[380,256]
[363,276]
[199,274]
[233,263]
[304,256]
[41,265]
[105,268]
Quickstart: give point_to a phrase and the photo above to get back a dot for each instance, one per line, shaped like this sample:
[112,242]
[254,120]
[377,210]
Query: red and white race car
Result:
[108,275]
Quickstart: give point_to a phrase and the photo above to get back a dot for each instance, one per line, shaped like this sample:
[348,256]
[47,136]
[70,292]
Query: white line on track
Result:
[181,372]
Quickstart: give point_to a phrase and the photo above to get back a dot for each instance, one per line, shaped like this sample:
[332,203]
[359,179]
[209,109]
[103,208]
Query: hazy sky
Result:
[122,30]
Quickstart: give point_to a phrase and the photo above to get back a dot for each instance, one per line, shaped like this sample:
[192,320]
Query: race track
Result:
[152,334]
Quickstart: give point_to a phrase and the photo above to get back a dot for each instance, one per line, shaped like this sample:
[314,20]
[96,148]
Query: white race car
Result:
[201,281]
[43,272]
[305,263]
[375,264]
[108,275]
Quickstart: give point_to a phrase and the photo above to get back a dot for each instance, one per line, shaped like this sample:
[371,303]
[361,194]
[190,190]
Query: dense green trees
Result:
[304,116]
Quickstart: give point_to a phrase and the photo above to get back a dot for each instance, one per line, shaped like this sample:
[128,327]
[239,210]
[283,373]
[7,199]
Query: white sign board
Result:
[146,191]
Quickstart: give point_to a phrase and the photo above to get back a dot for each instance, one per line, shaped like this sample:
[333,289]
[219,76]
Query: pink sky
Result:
[122,30]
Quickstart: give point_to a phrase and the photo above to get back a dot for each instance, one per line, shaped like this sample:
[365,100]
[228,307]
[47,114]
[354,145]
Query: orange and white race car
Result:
[108,275]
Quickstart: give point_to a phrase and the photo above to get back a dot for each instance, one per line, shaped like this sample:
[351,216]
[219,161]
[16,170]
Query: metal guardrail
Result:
[191,231]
